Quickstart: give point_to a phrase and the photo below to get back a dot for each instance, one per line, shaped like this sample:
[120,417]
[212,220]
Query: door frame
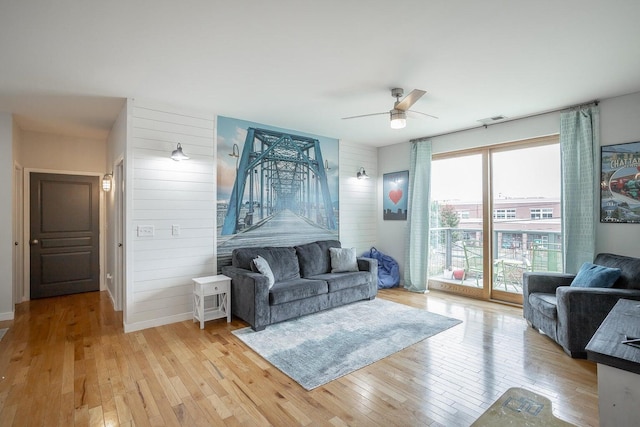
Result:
[120,258]
[26,291]
[18,227]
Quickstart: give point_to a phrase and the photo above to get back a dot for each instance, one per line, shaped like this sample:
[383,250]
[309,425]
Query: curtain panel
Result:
[417,242]
[579,143]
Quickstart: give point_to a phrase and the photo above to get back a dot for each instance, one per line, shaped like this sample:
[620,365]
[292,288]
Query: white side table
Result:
[219,287]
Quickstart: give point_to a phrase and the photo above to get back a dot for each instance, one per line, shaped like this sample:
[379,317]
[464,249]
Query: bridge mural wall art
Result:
[276,187]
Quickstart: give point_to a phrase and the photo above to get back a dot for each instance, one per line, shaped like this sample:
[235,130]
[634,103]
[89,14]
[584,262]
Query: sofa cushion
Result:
[282,260]
[595,276]
[296,289]
[340,281]
[629,267]
[314,259]
[545,304]
[262,266]
[343,260]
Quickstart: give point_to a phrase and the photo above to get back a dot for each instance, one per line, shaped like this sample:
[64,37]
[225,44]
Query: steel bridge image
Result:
[279,172]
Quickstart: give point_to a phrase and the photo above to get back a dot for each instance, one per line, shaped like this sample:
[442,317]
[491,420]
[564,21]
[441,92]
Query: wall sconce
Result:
[106,181]
[235,153]
[362,174]
[178,155]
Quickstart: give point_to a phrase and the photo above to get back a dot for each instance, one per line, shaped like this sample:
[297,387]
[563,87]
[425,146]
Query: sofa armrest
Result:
[544,282]
[370,265]
[249,296]
[582,310]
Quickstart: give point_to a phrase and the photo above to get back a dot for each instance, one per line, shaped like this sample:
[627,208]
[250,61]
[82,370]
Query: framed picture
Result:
[395,191]
[620,183]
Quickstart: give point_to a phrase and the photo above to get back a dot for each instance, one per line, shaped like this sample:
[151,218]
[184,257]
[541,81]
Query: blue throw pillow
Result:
[595,276]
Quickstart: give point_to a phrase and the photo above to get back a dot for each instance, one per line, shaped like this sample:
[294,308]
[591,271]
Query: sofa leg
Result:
[372,298]
[260,328]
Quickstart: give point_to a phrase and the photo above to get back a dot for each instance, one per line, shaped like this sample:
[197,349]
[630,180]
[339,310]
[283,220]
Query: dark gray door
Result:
[64,234]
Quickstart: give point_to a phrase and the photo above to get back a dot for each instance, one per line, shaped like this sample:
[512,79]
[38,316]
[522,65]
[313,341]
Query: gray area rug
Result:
[2,332]
[321,347]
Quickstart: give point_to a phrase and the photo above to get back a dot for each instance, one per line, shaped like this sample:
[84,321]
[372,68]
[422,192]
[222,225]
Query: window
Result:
[463,214]
[541,213]
[504,214]
[511,241]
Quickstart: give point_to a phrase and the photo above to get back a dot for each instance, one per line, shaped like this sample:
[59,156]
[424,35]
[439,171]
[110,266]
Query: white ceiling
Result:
[67,66]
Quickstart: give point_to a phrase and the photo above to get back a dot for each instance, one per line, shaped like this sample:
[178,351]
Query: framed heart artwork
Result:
[395,193]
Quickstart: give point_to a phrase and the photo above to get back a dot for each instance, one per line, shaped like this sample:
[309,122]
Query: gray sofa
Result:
[570,315]
[303,284]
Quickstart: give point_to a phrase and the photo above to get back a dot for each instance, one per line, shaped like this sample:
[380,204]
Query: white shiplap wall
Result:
[358,198]
[163,193]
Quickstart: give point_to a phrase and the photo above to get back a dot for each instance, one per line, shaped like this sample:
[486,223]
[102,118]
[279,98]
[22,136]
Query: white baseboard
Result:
[113,300]
[137,326]
[7,316]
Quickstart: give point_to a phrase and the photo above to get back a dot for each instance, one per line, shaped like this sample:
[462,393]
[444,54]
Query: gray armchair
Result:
[571,315]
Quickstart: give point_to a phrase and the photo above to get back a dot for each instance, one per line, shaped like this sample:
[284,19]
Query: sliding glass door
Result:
[526,215]
[495,214]
[457,259]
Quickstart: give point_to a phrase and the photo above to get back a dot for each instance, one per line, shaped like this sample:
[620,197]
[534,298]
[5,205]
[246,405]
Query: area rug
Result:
[321,347]
[520,407]
[2,332]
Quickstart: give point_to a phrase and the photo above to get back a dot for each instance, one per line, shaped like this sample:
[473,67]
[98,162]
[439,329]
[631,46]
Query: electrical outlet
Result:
[175,230]
[145,231]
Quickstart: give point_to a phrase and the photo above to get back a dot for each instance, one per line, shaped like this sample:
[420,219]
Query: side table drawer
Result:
[215,288]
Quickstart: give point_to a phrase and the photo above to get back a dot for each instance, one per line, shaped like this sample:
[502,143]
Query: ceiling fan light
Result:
[398,119]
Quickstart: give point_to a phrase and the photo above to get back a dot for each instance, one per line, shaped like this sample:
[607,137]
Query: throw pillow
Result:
[343,259]
[595,276]
[262,266]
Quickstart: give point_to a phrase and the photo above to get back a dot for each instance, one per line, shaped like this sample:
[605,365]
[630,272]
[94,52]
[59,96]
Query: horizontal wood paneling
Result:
[164,173]
[153,214]
[170,185]
[357,197]
[166,253]
[167,193]
[192,119]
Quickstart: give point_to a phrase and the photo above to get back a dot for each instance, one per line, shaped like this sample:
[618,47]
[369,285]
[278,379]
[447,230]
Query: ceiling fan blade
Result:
[365,115]
[420,112]
[410,99]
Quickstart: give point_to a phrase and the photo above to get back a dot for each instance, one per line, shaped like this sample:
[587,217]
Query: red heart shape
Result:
[395,195]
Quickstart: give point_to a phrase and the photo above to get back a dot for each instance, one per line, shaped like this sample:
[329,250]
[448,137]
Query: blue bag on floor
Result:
[388,268]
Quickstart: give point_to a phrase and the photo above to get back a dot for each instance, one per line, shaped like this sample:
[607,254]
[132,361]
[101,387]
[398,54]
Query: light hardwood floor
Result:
[66,362]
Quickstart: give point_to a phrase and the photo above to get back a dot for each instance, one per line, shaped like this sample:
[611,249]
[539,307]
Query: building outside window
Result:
[463,214]
[541,213]
[504,214]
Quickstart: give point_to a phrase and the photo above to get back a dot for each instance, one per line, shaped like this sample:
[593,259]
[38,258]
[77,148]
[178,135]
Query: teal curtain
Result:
[579,143]
[417,242]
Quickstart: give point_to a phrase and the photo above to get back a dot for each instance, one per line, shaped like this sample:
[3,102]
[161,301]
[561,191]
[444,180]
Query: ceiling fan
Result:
[398,114]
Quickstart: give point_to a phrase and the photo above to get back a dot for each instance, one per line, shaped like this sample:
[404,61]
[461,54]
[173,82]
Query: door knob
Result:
[34,242]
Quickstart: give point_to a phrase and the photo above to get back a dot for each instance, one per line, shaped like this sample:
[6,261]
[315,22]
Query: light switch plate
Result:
[175,230]
[145,230]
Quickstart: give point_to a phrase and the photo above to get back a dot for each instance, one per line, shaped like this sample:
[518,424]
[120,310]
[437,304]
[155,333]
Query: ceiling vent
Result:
[491,120]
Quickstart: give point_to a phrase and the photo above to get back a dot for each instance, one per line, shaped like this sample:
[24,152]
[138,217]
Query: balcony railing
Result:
[456,256]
